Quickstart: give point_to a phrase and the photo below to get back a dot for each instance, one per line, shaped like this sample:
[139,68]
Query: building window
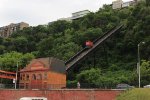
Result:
[27,85]
[39,77]
[21,85]
[45,75]
[45,85]
[27,77]
[23,76]
[33,77]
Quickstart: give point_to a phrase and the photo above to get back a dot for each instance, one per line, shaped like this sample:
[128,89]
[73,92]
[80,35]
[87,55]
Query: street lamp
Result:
[16,75]
[139,71]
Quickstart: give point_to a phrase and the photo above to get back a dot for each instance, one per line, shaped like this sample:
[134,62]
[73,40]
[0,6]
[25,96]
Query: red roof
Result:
[6,72]
[45,64]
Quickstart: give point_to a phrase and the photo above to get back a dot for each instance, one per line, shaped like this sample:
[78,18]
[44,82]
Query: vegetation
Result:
[135,94]
[113,62]
[9,60]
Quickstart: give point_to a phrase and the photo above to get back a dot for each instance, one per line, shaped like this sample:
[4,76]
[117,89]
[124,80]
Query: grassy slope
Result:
[135,94]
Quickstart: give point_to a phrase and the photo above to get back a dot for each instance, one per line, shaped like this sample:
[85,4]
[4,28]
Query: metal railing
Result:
[58,86]
[92,86]
[33,86]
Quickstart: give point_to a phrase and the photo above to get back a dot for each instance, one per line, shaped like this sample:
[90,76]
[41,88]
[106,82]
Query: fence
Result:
[88,86]
[33,86]
[57,86]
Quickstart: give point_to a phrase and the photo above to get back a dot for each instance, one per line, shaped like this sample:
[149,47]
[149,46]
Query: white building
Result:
[129,3]
[79,14]
[120,4]
[117,4]
[125,4]
[68,19]
[74,16]
[139,0]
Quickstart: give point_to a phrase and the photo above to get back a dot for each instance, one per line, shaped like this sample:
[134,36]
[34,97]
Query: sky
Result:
[37,12]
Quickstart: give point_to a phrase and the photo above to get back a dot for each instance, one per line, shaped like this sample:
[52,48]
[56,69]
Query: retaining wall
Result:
[62,94]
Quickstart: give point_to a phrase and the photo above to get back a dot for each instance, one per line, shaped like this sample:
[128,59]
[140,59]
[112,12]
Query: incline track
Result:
[84,52]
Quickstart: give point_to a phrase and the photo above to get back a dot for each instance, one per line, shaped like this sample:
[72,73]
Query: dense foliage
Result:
[112,63]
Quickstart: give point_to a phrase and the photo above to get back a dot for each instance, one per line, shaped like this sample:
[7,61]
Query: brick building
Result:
[6,31]
[43,73]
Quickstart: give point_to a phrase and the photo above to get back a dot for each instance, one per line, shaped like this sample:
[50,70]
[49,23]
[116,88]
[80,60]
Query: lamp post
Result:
[16,76]
[139,70]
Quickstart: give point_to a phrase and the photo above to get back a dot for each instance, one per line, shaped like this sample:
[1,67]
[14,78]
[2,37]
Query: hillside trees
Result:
[58,27]
[80,37]
[94,77]
[8,61]
[122,49]
[145,72]
[147,2]
[115,60]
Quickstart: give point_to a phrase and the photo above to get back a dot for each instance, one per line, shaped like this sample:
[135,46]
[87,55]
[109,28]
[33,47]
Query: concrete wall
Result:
[64,94]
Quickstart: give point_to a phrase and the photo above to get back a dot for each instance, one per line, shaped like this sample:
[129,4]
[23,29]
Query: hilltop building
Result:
[127,4]
[75,15]
[139,0]
[79,14]
[68,19]
[6,31]
[117,4]
[43,73]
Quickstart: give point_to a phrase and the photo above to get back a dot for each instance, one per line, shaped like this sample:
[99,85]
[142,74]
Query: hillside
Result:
[135,94]
[115,60]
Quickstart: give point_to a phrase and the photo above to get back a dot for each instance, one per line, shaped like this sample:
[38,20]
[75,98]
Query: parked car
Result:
[124,86]
[146,86]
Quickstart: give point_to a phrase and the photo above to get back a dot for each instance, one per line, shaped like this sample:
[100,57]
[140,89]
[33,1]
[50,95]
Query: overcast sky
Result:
[37,12]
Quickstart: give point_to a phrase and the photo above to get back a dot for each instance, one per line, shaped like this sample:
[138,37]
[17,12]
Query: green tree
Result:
[45,47]
[90,77]
[65,51]
[147,2]
[21,44]
[8,61]
[81,37]
[2,49]
[58,27]
[145,72]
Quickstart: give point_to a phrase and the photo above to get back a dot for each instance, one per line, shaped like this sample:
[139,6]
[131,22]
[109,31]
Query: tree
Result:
[45,47]
[89,77]
[8,61]
[80,37]
[2,49]
[147,2]
[65,51]
[145,72]
[58,27]
[21,44]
